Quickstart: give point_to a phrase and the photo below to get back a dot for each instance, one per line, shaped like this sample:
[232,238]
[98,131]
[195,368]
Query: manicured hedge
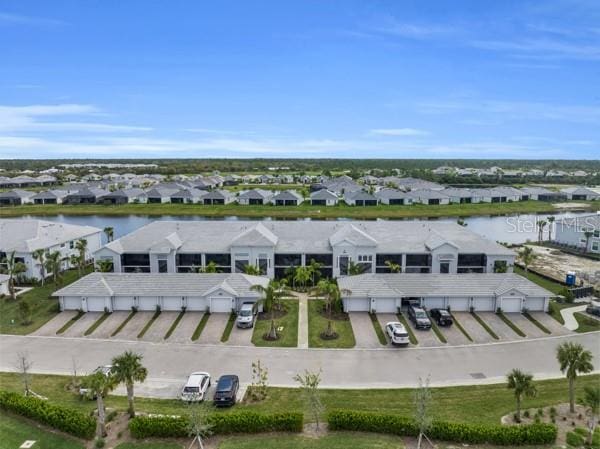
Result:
[223,423]
[444,431]
[61,418]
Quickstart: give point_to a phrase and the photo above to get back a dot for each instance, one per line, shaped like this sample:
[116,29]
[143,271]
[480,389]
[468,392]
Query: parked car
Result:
[397,333]
[226,393]
[593,309]
[196,387]
[104,369]
[442,317]
[418,316]
[246,315]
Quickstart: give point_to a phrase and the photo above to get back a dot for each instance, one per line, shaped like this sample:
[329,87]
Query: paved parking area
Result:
[385,318]
[364,333]
[501,329]
[472,327]
[454,335]
[240,337]
[135,325]
[109,325]
[82,324]
[159,328]
[186,327]
[49,329]
[530,329]
[213,331]
[424,337]
[550,323]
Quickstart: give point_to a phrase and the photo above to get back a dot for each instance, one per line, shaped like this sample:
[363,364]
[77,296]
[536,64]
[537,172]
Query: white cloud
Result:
[20,19]
[404,132]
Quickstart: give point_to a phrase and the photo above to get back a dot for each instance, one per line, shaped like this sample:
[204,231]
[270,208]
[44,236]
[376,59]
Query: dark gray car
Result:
[419,317]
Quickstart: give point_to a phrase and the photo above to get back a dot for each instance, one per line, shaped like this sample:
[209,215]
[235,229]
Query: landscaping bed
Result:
[286,322]
[317,324]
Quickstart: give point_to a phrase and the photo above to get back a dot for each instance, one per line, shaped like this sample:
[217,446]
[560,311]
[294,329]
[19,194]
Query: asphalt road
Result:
[170,363]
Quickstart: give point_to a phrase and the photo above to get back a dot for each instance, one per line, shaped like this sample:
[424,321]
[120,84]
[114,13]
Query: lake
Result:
[509,228]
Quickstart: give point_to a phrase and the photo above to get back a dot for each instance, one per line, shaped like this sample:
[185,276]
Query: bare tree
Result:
[199,425]
[422,401]
[309,382]
[23,366]
[260,377]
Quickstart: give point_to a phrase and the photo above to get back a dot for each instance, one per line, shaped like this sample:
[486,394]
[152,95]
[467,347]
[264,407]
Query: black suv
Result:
[593,309]
[418,316]
[441,316]
[227,388]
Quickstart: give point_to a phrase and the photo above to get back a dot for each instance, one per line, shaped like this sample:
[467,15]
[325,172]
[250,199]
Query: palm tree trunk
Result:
[518,408]
[572,395]
[101,416]
[131,409]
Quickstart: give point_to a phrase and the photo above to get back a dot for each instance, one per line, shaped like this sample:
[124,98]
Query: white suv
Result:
[196,387]
[397,333]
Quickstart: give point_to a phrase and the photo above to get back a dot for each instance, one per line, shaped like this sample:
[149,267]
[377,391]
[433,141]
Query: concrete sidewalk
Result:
[567,314]
[302,320]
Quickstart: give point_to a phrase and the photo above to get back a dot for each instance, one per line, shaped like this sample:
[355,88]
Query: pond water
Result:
[509,228]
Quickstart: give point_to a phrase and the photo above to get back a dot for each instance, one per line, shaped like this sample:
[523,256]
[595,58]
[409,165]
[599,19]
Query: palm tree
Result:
[104,265]
[551,220]
[588,235]
[354,268]
[329,290]
[110,233]
[573,359]
[40,256]
[81,247]
[302,276]
[210,267]
[251,270]
[527,257]
[541,225]
[127,369]
[591,401]
[272,294]
[522,384]
[315,270]
[99,385]
[54,265]
[393,266]
[13,268]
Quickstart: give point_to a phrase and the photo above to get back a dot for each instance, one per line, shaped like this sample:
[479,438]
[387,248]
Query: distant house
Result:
[287,198]
[49,197]
[540,194]
[87,195]
[460,196]
[429,197]
[159,194]
[572,231]
[323,197]
[359,198]
[188,196]
[16,197]
[255,197]
[393,197]
[218,197]
[124,196]
[580,194]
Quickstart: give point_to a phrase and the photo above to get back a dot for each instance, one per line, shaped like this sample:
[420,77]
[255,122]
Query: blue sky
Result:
[401,79]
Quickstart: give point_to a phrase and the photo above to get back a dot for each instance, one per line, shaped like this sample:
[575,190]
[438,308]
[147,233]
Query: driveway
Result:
[186,327]
[472,327]
[109,325]
[240,337]
[134,326]
[213,331]
[159,328]
[385,318]
[51,327]
[550,323]
[364,333]
[454,335]
[530,329]
[82,324]
[501,329]
[426,338]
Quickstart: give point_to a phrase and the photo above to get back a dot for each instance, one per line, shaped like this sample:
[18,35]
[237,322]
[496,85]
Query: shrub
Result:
[99,443]
[536,434]
[236,422]
[61,418]
[575,440]
[526,413]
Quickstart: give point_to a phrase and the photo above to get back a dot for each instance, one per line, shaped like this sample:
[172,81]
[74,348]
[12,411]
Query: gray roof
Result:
[17,193]
[306,236]
[428,193]
[537,191]
[218,195]
[163,284]
[25,236]
[391,194]
[256,194]
[421,285]
[288,195]
[359,195]
[323,194]
[50,194]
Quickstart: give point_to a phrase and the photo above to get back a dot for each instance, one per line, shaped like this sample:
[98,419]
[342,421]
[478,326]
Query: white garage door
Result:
[434,303]
[484,304]
[72,303]
[195,303]
[459,304]
[96,303]
[122,302]
[172,303]
[357,305]
[534,304]
[147,302]
[387,305]
[511,305]
[221,304]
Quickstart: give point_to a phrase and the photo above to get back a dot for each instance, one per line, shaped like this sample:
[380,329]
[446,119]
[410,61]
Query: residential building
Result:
[580,194]
[16,197]
[218,197]
[393,197]
[287,198]
[254,197]
[359,198]
[582,232]
[323,197]
[49,197]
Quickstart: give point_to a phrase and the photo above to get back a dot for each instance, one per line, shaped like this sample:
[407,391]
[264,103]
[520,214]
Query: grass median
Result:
[287,326]
[317,325]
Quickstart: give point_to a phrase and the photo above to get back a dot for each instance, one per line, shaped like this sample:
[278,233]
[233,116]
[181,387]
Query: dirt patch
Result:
[571,206]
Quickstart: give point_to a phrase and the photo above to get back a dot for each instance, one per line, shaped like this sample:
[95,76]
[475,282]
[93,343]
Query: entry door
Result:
[344,262]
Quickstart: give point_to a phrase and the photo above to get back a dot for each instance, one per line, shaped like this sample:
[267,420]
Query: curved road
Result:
[169,364]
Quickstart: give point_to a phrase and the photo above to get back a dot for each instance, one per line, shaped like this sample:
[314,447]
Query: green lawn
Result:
[586,323]
[15,431]
[337,440]
[288,336]
[151,445]
[228,327]
[43,307]
[554,287]
[317,324]
[302,211]
[474,403]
